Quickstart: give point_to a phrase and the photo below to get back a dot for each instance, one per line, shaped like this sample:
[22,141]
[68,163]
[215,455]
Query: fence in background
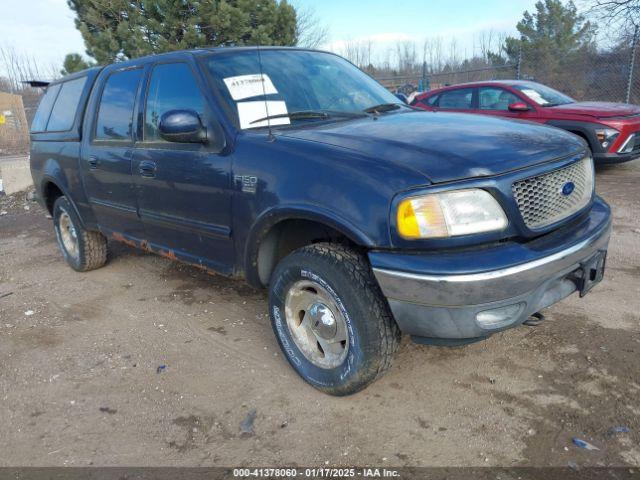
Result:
[612,76]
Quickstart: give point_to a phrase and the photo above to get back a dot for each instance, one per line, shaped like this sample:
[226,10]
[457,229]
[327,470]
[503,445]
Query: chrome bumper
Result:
[448,305]
[491,286]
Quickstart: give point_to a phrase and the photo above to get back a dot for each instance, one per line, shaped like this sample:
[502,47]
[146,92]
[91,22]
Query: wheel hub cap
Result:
[316,324]
[323,322]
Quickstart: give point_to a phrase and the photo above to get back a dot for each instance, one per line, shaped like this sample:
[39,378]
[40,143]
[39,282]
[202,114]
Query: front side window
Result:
[429,101]
[115,114]
[460,99]
[41,117]
[172,87]
[66,106]
[493,98]
[280,82]
[542,95]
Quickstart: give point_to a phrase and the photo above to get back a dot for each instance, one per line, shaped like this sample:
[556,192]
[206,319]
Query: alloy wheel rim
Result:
[317,325]
[68,234]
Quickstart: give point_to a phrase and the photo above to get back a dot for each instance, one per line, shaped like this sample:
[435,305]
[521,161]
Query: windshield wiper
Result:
[302,114]
[383,107]
[294,116]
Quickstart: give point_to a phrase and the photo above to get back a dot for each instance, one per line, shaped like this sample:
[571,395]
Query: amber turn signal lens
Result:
[447,214]
[421,217]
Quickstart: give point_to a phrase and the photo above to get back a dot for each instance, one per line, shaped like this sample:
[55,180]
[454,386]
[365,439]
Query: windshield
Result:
[543,96]
[292,81]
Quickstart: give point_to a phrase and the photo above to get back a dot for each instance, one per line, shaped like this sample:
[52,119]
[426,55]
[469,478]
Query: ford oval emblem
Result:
[568,188]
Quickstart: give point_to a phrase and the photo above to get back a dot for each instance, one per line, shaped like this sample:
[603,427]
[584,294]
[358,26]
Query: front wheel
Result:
[82,249]
[331,319]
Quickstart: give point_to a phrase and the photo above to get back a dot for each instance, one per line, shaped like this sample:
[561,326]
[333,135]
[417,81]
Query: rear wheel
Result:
[331,319]
[83,249]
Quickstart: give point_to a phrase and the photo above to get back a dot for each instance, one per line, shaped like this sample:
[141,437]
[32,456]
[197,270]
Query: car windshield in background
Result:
[543,96]
[294,87]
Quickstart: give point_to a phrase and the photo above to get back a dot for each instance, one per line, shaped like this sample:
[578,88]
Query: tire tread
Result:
[359,269]
[95,250]
[92,244]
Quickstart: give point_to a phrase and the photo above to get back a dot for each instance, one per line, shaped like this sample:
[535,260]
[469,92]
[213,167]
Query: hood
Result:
[598,109]
[446,146]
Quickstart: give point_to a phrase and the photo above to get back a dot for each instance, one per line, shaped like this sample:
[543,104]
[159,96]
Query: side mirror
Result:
[402,97]
[518,107]
[182,126]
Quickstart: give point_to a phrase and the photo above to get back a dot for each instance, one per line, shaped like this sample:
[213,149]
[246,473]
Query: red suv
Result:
[612,130]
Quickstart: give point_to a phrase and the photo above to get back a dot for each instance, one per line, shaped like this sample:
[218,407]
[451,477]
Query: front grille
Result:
[541,199]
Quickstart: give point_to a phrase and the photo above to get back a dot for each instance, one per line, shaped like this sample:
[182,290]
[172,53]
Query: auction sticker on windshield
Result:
[247,86]
[535,96]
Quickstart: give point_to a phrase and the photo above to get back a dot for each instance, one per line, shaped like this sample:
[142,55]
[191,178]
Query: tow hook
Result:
[534,320]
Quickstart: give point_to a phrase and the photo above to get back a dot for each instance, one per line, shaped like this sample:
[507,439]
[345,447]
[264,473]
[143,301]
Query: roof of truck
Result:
[193,51]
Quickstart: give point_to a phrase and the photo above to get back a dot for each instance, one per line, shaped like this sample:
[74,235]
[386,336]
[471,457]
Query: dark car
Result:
[294,170]
[612,130]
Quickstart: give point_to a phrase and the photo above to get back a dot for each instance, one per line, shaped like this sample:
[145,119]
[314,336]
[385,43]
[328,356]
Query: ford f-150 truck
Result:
[291,168]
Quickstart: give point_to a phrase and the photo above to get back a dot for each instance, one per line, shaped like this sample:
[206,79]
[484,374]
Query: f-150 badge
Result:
[249,183]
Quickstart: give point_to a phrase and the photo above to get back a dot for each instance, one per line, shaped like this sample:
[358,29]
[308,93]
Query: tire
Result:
[82,249]
[333,276]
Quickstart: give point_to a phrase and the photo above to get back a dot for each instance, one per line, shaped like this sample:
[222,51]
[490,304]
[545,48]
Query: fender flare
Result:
[53,173]
[585,129]
[270,218]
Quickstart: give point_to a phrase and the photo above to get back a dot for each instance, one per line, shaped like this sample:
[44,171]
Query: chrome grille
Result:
[541,199]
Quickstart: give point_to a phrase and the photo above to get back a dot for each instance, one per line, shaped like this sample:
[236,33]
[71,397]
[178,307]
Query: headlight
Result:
[460,212]
[606,136]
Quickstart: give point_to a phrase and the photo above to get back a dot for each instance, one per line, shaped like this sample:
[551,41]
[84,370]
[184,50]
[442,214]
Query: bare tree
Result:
[369,48]
[350,51]
[309,31]
[359,52]
[453,61]
[406,56]
[20,67]
[488,41]
[620,17]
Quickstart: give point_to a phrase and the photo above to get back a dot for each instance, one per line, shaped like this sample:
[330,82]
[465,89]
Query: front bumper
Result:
[439,295]
[610,158]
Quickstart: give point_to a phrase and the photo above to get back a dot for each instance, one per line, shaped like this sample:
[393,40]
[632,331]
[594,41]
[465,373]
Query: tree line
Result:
[554,36]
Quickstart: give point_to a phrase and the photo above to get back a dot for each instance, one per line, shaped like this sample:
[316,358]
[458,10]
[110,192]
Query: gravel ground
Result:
[81,385]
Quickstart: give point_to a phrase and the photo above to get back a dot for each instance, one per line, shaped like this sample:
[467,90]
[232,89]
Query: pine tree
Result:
[555,42]
[122,29]
[74,62]
[550,35]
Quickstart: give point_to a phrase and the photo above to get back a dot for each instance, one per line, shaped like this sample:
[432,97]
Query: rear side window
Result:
[456,98]
[66,106]
[41,117]
[115,113]
[172,87]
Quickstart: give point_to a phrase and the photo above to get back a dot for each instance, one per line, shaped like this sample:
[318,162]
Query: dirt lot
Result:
[80,385]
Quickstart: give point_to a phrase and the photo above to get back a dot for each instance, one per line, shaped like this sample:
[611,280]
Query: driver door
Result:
[183,189]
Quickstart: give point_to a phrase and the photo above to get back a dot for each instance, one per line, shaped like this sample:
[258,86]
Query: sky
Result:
[44,29]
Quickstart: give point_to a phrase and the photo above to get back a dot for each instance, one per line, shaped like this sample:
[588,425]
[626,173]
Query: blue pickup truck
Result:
[296,171]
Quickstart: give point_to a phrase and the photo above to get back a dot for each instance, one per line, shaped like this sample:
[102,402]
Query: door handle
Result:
[93,163]
[147,169]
